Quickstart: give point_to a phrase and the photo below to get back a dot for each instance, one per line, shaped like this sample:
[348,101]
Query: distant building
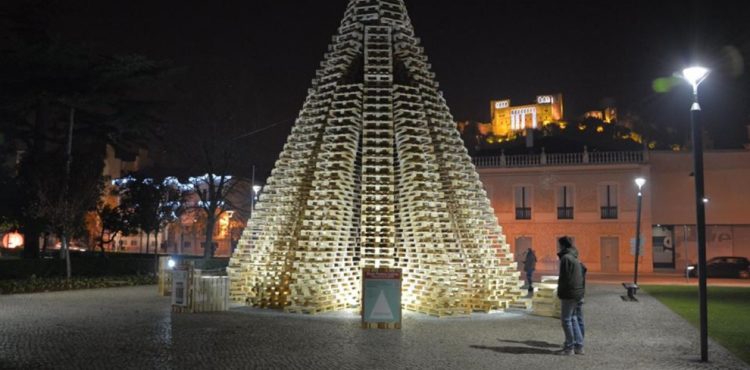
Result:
[187,234]
[607,115]
[508,120]
[592,198]
[118,164]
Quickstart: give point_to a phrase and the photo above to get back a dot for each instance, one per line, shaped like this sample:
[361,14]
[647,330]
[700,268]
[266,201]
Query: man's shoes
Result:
[564,352]
[579,351]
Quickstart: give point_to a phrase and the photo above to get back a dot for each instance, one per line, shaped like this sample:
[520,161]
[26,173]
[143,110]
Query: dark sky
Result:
[252,60]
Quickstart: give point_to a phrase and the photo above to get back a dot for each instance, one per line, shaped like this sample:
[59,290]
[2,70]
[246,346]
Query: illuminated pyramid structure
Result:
[374,174]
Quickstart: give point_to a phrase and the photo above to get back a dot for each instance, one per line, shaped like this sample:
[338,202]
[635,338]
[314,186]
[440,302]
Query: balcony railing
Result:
[523,213]
[561,159]
[564,213]
[609,213]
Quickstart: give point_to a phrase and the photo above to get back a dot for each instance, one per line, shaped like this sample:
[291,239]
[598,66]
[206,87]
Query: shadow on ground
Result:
[532,347]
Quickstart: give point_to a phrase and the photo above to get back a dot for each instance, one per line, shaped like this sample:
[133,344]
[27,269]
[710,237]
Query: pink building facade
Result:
[592,197]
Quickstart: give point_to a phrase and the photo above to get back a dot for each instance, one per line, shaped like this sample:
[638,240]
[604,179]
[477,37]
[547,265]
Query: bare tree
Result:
[153,203]
[64,197]
[113,220]
[212,190]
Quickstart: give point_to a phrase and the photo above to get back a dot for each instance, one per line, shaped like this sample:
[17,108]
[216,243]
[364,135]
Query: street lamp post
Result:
[694,76]
[638,182]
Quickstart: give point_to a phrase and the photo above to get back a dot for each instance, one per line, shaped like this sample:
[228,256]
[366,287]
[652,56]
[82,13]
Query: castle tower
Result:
[374,174]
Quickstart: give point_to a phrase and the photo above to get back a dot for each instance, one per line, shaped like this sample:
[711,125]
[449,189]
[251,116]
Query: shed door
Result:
[610,254]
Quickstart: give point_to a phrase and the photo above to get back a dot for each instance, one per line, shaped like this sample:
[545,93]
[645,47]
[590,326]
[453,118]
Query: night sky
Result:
[251,61]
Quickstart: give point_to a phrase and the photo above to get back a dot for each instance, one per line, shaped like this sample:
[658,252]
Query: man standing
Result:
[529,265]
[571,288]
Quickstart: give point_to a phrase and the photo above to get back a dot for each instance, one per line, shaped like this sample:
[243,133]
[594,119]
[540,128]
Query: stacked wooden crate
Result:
[206,291]
[324,272]
[374,174]
[545,301]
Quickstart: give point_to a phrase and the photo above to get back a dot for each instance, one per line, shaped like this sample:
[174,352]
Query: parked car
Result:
[726,267]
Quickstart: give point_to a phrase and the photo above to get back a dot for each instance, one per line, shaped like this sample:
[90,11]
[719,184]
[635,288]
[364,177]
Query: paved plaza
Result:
[132,328]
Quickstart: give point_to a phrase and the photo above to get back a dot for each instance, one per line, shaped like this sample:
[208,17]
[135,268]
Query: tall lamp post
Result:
[638,182]
[694,76]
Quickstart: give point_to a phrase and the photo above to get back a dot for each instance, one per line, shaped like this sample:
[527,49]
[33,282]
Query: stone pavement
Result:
[132,328]
[651,278]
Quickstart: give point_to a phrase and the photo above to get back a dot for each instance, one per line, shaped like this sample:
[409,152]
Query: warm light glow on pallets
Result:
[374,174]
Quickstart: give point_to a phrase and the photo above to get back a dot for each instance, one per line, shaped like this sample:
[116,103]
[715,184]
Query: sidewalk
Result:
[132,328]
[650,278]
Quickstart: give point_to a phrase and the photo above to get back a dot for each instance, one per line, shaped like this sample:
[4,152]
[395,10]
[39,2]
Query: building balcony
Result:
[523,213]
[561,159]
[609,213]
[564,213]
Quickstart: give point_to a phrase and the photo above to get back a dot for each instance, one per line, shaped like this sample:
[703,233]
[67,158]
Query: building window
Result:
[564,202]
[523,202]
[608,201]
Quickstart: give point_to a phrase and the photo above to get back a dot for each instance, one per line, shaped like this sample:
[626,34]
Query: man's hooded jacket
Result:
[572,283]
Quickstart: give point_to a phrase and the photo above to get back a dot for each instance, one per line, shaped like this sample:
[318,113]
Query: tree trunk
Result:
[148,240]
[31,243]
[156,251]
[68,163]
[38,146]
[66,255]
[69,148]
[208,251]
[45,240]
[101,242]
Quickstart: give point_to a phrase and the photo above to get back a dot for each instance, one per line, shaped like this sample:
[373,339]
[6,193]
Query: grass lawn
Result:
[728,312]
[52,284]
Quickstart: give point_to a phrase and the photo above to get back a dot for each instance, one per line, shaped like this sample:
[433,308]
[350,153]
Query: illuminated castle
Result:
[508,120]
[374,174]
[606,115]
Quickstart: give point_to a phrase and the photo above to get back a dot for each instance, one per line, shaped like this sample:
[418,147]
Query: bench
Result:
[632,289]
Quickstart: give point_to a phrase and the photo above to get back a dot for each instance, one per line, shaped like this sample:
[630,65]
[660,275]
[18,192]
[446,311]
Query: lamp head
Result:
[695,75]
[640,182]
[257,188]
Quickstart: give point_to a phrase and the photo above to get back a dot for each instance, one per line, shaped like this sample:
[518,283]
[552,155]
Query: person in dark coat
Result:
[529,265]
[571,289]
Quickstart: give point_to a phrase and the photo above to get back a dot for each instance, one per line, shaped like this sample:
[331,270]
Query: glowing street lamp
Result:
[694,76]
[13,240]
[256,190]
[638,182]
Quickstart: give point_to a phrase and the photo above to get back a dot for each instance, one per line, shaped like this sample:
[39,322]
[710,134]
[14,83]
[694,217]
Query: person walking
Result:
[529,265]
[571,289]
